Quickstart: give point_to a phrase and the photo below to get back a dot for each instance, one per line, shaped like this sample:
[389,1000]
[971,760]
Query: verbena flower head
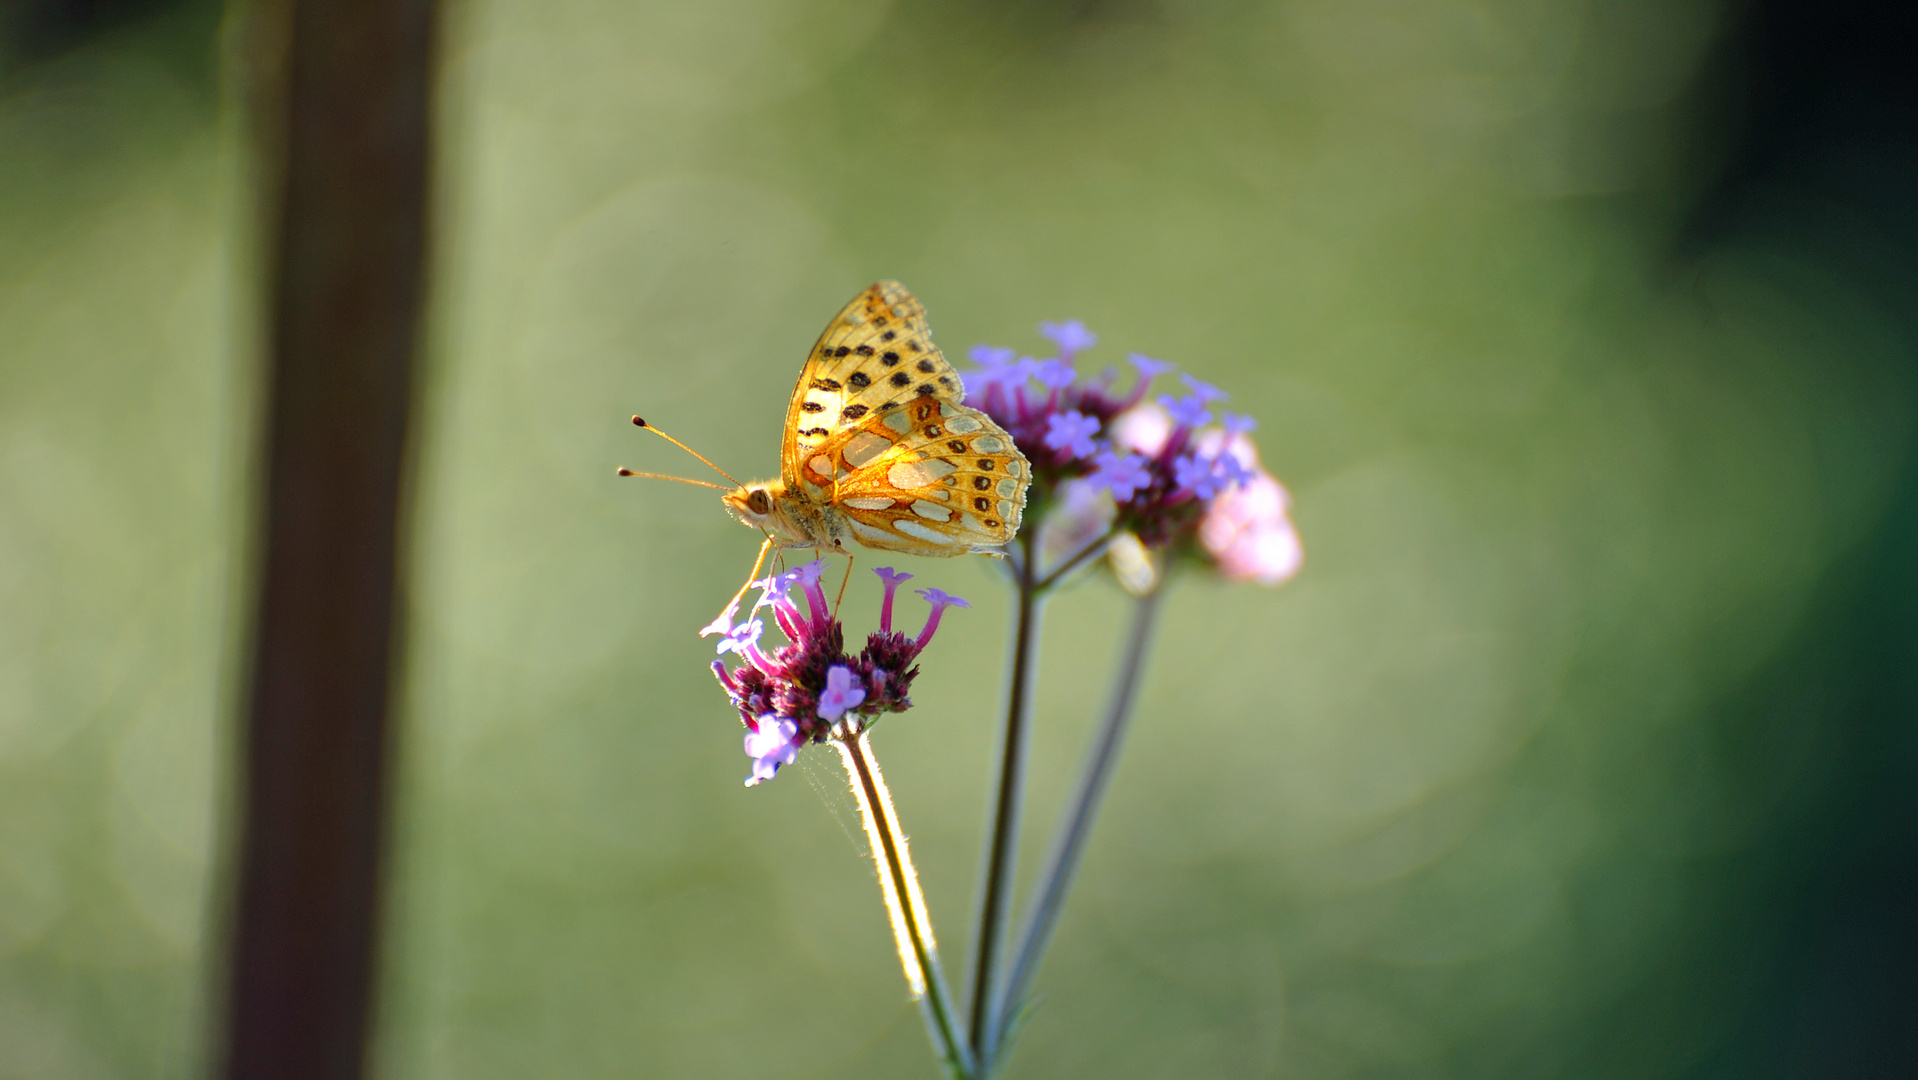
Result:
[1053,412]
[1175,473]
[803,690]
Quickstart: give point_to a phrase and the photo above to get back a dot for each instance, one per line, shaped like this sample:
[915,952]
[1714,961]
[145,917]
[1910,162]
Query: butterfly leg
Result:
[842,582]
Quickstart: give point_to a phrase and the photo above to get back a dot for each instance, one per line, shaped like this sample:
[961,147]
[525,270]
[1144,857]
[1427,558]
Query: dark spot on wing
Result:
[819,431]
[825,384]
[925,365]
[859,379]
[982,482]
[958,446]
[985,464]
[945,381]
[841,351]
[854,412]
[812,406]
[864,350]
[890,357]
[889,335]
[982,503]
[926,387]
[900,378]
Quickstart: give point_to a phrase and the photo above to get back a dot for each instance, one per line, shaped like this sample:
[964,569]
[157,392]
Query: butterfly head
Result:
[762,507]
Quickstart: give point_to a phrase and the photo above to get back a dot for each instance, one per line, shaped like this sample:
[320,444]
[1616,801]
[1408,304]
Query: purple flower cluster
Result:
[1161,470]
[1054,416]
[1207,486]
[800,691]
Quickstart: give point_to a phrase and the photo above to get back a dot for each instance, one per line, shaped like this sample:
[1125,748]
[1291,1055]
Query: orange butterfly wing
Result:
[928,477]
[876,355]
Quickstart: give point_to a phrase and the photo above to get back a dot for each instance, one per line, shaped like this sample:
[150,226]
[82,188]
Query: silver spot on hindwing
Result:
[865,448]
[918,474]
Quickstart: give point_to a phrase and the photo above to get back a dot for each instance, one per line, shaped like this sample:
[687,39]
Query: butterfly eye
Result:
[758,503]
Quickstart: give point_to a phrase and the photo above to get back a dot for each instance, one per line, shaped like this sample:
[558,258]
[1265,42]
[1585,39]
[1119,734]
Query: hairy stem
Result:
[995,878]
[905,904]
[1075,829]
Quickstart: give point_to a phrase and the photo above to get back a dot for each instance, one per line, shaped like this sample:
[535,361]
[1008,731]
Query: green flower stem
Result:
[905,904]
[995,877]
[1097,547]
[1068,847]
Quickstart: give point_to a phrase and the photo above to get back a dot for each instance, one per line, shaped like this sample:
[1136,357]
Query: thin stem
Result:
[995,877]
[1081,556]
[1062,863]
[905,904]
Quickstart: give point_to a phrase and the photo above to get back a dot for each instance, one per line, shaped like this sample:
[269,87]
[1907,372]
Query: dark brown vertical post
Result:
[348,120]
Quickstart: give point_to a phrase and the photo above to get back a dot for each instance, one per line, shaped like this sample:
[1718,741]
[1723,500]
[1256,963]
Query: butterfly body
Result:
[792,523]
[880,448]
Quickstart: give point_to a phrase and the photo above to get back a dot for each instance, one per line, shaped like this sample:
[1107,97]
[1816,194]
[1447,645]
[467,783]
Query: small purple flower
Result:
[1073,432]
[842,692]
[1205,392]
[1239,425]
[1208,476]
[1234,471]
[892,580]
[997,367]
[1189,411]
[1193,474]
[724,623]
[992,356]
[1148,367]
[1056,374]
[940,601]
[1121,474]
[773,743]
[1071,336]
[742,637]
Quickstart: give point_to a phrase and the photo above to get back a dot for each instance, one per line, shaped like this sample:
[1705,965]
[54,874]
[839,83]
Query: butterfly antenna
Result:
[624,471]
[638,422]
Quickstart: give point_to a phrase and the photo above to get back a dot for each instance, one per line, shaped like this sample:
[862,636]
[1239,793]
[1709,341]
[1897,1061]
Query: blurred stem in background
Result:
[343,107]
[1002,829]
[1075,828]
[998,999]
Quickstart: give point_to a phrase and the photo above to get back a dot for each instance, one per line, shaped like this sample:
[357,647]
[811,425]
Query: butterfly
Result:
[880,448]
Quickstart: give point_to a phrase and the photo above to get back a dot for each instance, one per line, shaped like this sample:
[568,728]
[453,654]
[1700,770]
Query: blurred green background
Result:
[1581,332]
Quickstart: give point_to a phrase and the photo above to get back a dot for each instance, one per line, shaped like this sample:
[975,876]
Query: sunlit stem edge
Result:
[1075,830]
[905,904]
